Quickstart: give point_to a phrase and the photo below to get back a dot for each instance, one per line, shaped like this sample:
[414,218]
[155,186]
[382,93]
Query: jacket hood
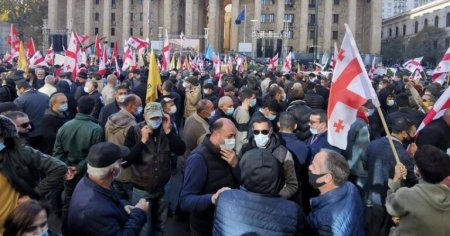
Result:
[119,121]
[436,195]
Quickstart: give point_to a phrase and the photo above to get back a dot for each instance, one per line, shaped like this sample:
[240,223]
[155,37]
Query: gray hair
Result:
[48,79]
[336,165]
[102,172]
[53,98]
[39,70]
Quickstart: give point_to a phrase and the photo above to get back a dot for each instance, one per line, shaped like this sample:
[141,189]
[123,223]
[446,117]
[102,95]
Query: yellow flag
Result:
[172,63]
[186,64]
[22,61]
[245,64]
[179,63]
[153,80]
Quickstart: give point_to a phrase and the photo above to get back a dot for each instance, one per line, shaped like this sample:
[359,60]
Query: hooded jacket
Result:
[423,209]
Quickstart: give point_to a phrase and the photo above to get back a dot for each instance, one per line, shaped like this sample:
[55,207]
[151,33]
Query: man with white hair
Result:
[95,207]
[40,75]
[109,90]
[49,86]
[225,110]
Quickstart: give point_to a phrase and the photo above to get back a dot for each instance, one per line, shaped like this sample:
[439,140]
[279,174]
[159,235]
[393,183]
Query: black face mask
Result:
[313,178]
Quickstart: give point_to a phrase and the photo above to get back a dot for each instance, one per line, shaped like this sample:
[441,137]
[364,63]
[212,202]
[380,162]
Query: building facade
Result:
[408,24]
[395,7]
[303,26]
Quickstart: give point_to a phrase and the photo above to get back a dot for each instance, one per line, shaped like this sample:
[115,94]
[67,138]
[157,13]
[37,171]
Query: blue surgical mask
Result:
[63,107]
[253,102]
[139,111]
[271,117]
[313,131]
[261,140]
[230,111]
[154,123]
[45,233]
[2,146]
[283,98]
[370,112]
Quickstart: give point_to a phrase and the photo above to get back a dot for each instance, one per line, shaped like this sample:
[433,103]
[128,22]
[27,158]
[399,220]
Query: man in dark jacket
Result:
[34,103]
[318,129]
[379,161]
[72,144]
[257,208]
[114,107]
[152,142]
[25,172]
[312,99]
[225,110]
[338,210]
[298,108]
[91,89]
[54,118]
[210,169]
[78,86]
[404,110]
[95,208]
[437,133]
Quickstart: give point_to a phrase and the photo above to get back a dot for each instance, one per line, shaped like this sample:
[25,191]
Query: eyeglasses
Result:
[265,132]
[25,125]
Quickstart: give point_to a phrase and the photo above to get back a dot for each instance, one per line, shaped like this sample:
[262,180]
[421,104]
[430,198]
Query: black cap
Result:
[104,154]
[261,172]
[82,75]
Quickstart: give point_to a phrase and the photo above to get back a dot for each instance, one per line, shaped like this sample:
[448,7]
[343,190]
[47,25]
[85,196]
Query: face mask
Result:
[230,111]
[370,112]
[2,146]
[121,98]
[390,103]
[229,144]
[139,111]
[253,102]
[173,110]
[186,84]
[313,131]
[448,151]
[261,140]
[283,98]
[271,117]
[87,90]
[211,115]
[313,178]
[154,123]
[45,233]
[18,93]
[206,91]
[210,81]
[63,107]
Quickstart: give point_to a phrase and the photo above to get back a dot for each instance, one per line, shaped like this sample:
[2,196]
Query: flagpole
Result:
[245,19]
[391,143]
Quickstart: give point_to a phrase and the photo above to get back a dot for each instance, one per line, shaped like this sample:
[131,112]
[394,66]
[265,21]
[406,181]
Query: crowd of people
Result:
[246,154]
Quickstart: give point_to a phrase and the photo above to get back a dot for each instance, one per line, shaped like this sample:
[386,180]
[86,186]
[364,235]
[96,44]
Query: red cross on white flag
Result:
[350,89]
[70,61]
[438,110]
[37,60]
[287,64]
[440,73]
[166,53]
[49,56]
[412,64]
[273,63]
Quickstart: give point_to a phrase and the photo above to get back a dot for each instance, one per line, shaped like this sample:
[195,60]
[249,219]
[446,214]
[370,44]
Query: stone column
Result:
[327,17]
[189,17]
[234,32]
[69,14]
[256,17]
[303,22]
[107,19]
[214,23]
[351,15]
[87,16]
[126,20]
[52,14]
[279,17]
[168,11]
[146,18]
[375,29]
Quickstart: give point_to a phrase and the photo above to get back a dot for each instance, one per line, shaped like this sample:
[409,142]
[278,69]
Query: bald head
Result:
[222,129]
[225,102]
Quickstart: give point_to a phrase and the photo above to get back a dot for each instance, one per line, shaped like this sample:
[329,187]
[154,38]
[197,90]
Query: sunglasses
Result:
[25,125]
[265,132]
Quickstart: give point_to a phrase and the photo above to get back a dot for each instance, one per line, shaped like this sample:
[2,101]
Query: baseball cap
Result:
[104,154]
[153,109]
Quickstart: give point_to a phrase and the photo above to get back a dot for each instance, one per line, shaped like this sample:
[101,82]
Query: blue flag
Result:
[209,54]
[240,17]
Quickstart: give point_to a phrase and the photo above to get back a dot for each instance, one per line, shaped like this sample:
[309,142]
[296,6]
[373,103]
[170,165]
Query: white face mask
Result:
[229,144]
[87,90]
[261,140]
[121,98]
[173,109]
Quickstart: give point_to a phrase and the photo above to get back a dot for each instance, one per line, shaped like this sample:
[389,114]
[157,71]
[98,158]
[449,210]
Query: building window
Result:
[97,16]
[272,2]
[95,30]
[336,2]
[97,2]
[131,17]
[290,34]
[131,31]
[312,3]
[336,18]
[390,32]
[425,23]
[141,16]
[111,45]
[263,2]
[113,17]
[436,21]
[335,35]
[448,20]
[289,3]
[141,31]
[271,18]
[289,18]
[262,18]
[396,31]
[416,27]
[404,30]
[113,31]
[312,19]
[435,44]
[447,42]
[311,34]
[113,4]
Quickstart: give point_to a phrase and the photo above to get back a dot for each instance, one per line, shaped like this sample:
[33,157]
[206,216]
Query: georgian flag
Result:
[102,63]
[372,68]
[442,69]
[166,54]
[8,57]
[30,49]
[70,61]
[273,62]
[127,58]
[14,41]
[438,110]
[49,56]
[216,63]
[287,64]
[98,47]
[412,64]
[350,89]
[37,60]
[333,59]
